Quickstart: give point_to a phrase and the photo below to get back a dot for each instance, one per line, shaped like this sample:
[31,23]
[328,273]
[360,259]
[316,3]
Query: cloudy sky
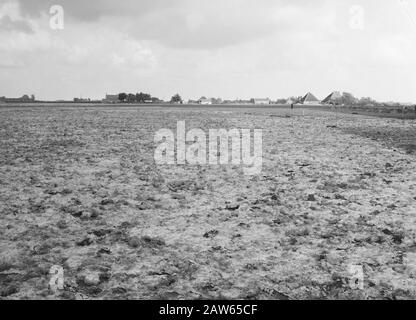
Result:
[216,48]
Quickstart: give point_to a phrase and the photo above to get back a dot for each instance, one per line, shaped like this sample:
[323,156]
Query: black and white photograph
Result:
[235,151]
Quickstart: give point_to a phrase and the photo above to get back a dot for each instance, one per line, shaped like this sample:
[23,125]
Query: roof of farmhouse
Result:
[333,96]
[309,97]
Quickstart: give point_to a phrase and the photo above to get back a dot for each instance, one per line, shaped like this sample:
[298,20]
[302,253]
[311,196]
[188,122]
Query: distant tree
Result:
[142,97]
[122,97]
[131,98]
[367,101]
[139,97]
[338,101]
[176,99]
[348,99]
[296,99]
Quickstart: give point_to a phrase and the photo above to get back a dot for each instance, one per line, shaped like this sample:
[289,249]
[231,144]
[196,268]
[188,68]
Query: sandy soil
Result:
[79,189]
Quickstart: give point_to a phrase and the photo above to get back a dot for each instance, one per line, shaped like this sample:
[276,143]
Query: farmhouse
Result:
[310,99]
[205,101]
[334,98]
[24,99]
[261,101]
[111,98]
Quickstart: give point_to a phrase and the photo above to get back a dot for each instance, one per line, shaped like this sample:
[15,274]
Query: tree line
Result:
[144,98]
[137,98]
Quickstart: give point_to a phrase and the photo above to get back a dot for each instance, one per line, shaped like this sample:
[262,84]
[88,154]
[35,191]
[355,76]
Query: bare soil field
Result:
[79,188]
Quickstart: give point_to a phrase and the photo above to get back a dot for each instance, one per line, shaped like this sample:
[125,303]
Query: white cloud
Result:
[222,48]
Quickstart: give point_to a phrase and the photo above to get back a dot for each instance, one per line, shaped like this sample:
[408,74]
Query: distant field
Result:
[79,189]
[384,112]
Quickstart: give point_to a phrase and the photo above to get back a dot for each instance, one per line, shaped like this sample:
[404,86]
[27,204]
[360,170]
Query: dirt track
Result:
[79,189]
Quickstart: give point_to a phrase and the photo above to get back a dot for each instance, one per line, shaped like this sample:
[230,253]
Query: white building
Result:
[111,98]
[260,101]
